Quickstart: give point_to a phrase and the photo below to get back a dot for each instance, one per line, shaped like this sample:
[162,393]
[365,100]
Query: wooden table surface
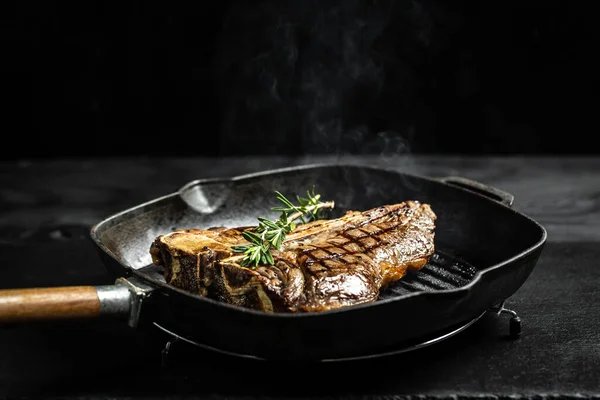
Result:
[47,207]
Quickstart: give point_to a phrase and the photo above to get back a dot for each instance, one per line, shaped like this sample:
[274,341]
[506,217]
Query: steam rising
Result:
[321,77]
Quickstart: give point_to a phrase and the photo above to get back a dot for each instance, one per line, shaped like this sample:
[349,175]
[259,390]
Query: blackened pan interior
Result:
[497,244]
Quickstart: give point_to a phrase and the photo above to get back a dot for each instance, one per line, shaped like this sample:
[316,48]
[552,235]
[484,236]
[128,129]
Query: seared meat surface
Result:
[322,265]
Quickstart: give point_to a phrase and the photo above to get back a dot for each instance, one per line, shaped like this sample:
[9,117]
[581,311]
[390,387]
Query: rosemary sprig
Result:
[271,234]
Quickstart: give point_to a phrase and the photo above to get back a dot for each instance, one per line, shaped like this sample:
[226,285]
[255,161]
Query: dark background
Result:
[294,77]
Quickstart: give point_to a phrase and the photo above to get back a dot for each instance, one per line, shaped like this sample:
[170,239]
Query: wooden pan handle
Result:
[48,303]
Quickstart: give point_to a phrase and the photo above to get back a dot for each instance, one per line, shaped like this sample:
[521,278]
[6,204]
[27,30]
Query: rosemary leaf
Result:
[269,234]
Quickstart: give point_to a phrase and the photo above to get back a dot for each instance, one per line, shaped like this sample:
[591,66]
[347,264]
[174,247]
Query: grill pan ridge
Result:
[442,272]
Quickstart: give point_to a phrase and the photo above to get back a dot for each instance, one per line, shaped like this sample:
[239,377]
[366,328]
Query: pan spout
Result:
[207,197]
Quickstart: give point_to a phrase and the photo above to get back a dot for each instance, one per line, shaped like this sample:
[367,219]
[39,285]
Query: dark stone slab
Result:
[47,207]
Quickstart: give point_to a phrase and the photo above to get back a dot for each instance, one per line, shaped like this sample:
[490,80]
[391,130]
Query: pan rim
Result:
[275,171]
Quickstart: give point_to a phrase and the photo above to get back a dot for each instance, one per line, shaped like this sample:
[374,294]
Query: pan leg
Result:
[165,351]
[514,324]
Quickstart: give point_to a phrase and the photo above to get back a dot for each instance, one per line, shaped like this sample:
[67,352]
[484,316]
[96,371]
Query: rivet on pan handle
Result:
[491,192]
[139,292]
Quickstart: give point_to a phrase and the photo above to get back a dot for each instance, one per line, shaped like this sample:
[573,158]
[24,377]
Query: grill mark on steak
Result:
[328,288]
[322,265]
